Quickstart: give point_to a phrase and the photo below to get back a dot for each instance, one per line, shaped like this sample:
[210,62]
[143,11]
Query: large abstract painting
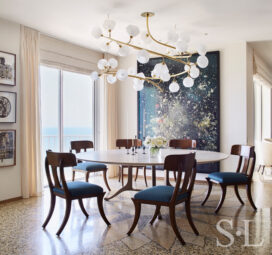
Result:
[191,113]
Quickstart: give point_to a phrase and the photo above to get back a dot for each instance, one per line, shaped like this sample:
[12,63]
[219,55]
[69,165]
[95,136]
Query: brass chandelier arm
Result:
[150,51]
[149,33]
[147,79]
[178,74]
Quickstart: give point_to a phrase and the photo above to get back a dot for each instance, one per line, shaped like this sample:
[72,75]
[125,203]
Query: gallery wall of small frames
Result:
[8,109]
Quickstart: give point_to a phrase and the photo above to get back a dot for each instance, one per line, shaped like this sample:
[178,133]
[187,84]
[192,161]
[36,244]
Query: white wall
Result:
[10,177]
[233,100]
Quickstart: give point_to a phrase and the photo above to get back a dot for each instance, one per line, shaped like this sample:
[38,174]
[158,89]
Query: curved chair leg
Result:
[224,191]
[156,214]
[248,188]
[51,210]
[82,207]
[136,217]
[263,170]
[145,176]
[105,180]
[175,175]
[87,176]
[189,216]
[237,194]
[66,216]
[174,223]
[259,168]
[101,209]
[210,184]
[73,175]
[136,175]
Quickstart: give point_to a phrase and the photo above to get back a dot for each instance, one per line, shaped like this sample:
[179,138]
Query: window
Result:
[67,109]
[263,106]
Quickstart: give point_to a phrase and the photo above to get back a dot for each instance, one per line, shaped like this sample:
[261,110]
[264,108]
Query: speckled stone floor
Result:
[21,231]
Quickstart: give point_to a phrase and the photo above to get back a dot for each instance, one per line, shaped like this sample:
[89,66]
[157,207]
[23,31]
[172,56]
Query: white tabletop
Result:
[120,157]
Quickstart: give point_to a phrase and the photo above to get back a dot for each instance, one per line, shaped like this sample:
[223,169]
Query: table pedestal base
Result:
[128,186]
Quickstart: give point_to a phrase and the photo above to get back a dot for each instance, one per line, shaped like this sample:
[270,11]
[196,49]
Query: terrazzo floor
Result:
[21,231]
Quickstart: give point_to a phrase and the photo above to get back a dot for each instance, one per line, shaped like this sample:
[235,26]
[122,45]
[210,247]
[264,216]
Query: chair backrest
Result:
[77,146]
[55,161]
[247,158]
[182,143]
[186,164]
[128,143]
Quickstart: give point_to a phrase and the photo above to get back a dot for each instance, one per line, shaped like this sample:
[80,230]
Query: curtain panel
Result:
[30,113]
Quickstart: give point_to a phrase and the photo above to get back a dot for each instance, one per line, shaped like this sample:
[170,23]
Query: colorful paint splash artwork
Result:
[191,113]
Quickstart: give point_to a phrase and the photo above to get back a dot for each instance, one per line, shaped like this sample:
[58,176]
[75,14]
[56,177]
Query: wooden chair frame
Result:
[180,163]
[181,144]
[246,154]
[78,146]
[60,161]
[128,143]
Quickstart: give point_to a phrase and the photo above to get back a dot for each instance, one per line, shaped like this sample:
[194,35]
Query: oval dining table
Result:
[120,157]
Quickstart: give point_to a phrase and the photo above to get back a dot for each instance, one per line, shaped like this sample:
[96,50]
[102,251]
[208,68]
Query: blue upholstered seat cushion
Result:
[80,189]
[90,166]
[158,193]
[159,167]
[227,177]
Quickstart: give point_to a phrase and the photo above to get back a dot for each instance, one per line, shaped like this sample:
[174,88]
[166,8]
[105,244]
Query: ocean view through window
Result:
[67,110]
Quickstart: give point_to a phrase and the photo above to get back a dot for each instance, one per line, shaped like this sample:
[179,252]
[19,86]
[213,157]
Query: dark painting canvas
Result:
[191,113]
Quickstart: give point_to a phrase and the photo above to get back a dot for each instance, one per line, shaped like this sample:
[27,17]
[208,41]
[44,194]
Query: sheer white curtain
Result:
[30,113]
[106,118]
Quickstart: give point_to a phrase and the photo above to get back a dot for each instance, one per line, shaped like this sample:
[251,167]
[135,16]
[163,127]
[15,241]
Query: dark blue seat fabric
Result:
[158,193]
[90,166]
[159,167]
[227,177]
[80,189]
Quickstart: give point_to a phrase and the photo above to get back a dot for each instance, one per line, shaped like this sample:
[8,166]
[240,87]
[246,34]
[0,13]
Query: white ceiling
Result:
[72,20]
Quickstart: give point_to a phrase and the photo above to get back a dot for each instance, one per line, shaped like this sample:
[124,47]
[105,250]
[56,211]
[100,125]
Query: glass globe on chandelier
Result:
[177,51]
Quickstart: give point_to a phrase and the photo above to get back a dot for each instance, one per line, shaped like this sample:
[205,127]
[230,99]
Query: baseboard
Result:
[10,200]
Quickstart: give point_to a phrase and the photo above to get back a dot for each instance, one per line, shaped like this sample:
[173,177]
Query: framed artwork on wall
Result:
[190,113]
[7,107]
[7,69]
[7,147]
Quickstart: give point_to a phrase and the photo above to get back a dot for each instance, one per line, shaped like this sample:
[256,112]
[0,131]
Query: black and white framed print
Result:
[7,148]
[7,107]
[7,68]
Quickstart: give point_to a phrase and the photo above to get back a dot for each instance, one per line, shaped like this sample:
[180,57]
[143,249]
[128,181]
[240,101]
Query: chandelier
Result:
[176,49]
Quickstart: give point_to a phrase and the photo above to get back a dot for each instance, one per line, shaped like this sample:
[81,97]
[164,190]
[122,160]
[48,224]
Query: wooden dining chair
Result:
[242,176]
[87,167]
[168,195]
[54,167]
[128,144]
[182,144]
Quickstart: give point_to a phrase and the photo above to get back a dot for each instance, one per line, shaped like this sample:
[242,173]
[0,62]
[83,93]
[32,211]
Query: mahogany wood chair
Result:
[69,190]
[242,176]
[168,195]
[128,143]
[182,144]
[87,167]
